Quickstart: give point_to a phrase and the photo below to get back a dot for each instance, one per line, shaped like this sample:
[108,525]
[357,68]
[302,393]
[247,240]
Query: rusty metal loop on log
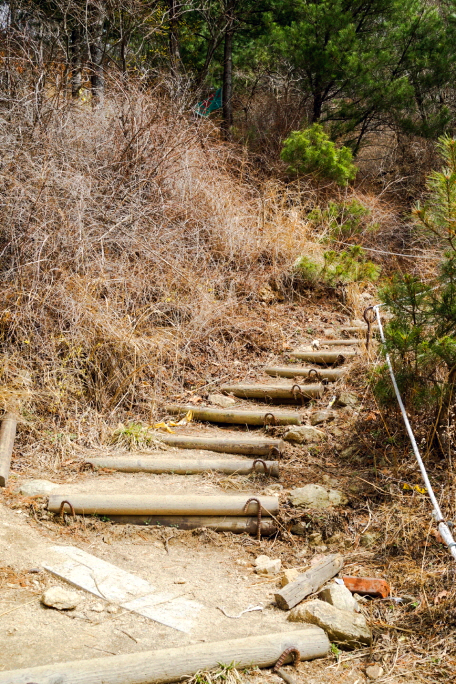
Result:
[258,514]
[273,450]
[264,464]
[312,372]
[289,651]
[297,391]
[369,322]
[269,419]
[62,509]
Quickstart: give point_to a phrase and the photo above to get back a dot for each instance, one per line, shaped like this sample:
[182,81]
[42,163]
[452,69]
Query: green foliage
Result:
[342,220]
[225,673]
[311,151]
[421,336]
[338,268]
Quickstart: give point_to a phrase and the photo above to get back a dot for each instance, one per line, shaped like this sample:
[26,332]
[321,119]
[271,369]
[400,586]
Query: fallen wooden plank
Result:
[233,523]
[274,392]
[226,445]
[292,371]
[107,581]
[157,504]
[358,329]
[323,356]
[7,436]
[185,466]
[309,582]
[175,664]
[238,417]
[342,342]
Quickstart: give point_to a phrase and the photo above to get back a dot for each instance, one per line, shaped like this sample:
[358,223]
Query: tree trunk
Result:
[76,62]
[227,91]
[96,17]
[174,54]
[316,109]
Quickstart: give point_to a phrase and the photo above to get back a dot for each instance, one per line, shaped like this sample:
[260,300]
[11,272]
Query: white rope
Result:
[437,513]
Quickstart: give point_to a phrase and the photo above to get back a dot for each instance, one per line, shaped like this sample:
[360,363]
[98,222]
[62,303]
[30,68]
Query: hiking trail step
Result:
[292,371]
[274,392]
[185,466]
[259,417]
[328,357]
[247,446]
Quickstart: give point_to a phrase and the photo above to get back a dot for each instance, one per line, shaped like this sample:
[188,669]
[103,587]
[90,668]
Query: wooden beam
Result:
[238,417]
[309,582]
[157,504]
[184,466]
[7,436]
[175,664]
[323,356]
[292,371]
[342,342]
[226,445]
[274,392]
[233,523]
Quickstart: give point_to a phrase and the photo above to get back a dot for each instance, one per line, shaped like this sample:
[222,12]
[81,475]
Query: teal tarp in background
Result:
[212,103]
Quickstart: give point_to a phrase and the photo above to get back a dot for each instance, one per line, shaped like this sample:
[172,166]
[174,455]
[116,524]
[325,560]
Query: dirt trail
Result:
[213,569]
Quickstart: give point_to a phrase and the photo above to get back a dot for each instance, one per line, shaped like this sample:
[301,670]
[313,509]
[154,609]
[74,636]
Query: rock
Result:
[267,566]
[316,496]
[347,399]
[321,417]
[299,528]
[113,609]
[61,599]
[339,596]
[374,671]
[37,487]
[304,434]
[321,548]
[289,576]
[180,580]
[221,400]
[97,607]
[342,626]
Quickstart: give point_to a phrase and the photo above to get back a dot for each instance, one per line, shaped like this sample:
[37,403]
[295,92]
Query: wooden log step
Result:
[323,356]
[331,374]
[7,436]
[226,445]
[234,524]
[175,664]
[356,329]
[238,416]
[309,582]
[157,504]
[274,392]
[182,466]
[343,342]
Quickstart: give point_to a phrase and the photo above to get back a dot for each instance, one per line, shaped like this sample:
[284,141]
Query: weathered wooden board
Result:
[234,524]
[113,584]
[309,582]
[274,392]
[7,436]
[292,371]
[183,466]
[175,664]
[323,356]
[157,504]
[227,445]
[238,416]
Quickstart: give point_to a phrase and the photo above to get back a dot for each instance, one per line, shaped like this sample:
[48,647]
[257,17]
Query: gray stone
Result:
[267,566]
[304,434]
[37,487]
[61,599]
[315,496]
[342,626]
[347,399]
[322,417]
[221,400]
[340,597]
[299,528]
[289,576]
[374,671]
